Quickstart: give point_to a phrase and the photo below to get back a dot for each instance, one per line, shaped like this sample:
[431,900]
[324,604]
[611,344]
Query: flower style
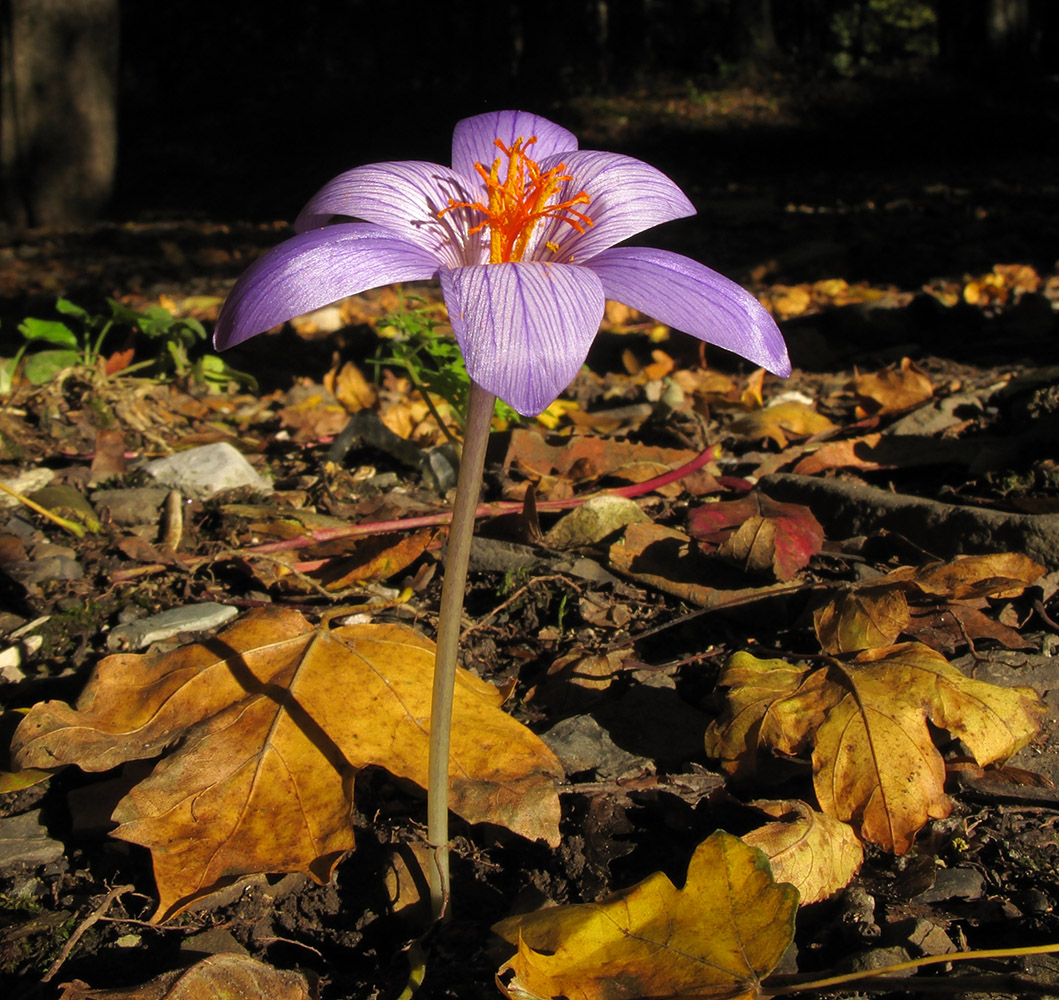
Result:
[521,231]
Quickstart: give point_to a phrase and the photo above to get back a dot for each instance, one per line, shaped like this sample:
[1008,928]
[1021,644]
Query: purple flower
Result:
[521,231]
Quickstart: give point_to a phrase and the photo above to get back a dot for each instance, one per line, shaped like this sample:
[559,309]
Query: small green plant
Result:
[430,357]
[77,341]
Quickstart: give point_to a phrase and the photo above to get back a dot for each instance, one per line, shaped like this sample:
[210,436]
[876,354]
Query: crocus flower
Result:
[521,230]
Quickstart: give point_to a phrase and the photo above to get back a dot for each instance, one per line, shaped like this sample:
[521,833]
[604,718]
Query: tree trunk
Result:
[58,109]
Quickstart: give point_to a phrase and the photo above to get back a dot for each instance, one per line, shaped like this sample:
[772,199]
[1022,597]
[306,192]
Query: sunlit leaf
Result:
[893,390]
[818,855]
[219,976]
[758,534]
[718,936]
[267,724]
[874,760]
[867,618]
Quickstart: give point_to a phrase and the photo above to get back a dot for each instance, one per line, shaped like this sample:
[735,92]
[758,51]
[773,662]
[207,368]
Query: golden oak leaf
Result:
[866,618]
[270,721]
[214,977]
[818,855]
[718,936]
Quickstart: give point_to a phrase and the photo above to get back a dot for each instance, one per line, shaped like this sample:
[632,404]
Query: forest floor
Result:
[910,258]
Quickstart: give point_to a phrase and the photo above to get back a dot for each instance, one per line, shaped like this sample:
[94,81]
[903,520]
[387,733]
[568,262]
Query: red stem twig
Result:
[483,510]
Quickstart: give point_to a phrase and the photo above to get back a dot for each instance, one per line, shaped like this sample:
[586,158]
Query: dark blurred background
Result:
[131,109]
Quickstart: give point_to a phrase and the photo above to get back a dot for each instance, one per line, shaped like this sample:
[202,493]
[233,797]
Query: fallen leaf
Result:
[667,559]
[718,936]
[998,574]
[585,457]
[851,453]
[875,764]
[755,688]
[270,722]
[758,534]
[818,855]
[219,976]
[866,618]
[782,421]
[349,386]
[893,390]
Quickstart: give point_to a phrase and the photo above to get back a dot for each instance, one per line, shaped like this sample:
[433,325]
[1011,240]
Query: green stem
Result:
[461,532]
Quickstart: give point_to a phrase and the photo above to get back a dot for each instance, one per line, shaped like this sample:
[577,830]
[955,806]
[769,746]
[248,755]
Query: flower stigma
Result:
[519,202]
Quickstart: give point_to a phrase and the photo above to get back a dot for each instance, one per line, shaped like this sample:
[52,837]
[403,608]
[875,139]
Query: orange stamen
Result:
[519,202]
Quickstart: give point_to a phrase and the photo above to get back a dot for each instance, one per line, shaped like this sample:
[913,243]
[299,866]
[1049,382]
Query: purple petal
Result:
[474,139]
[627,197]
[524,329]
[313,269]
[404,197]
[685,294]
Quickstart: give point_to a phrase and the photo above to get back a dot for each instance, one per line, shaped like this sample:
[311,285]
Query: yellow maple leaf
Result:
[874,761]
[718,936]
[271,720]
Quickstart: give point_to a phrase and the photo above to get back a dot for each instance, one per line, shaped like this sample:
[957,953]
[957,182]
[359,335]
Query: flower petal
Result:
[406,198]
[685,294]
[524,329]
[313,269]
[627,197]
[474,139]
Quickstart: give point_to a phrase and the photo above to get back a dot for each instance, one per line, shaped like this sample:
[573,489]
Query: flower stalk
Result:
[457,556]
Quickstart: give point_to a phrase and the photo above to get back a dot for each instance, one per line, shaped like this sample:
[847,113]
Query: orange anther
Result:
[519,202]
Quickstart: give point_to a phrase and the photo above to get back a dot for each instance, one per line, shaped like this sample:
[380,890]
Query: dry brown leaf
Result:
[668,559]
[851,453]
[866,618]
[874,761]
[893,390]
[718,936]
[782,421]
[273,719]
[216,977]
[998,574]
[349,386]
[818,855]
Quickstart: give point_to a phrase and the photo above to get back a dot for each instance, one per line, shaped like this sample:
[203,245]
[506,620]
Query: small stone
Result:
[24,840]
[953,883]
[876,958]
[593,521]
[929,939]
[582,744]
[215,941]
[25,483]
[208,470]
[141,633]
[129,941]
